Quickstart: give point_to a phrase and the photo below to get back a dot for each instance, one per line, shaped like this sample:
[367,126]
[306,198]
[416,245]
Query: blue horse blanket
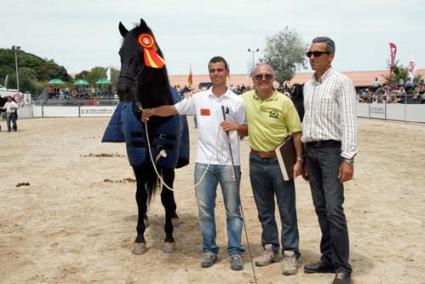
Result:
[171,136]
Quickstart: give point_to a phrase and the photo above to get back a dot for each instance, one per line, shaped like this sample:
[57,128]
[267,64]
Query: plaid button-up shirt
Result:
[330,111]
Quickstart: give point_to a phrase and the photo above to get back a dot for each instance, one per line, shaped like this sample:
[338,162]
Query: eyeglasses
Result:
[266,77]
[316,53]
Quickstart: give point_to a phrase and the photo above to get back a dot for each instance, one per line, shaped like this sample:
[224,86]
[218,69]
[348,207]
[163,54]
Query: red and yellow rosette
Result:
[152,58]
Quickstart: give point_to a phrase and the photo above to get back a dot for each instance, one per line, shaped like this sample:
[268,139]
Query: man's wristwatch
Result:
[349,161]
[300,158]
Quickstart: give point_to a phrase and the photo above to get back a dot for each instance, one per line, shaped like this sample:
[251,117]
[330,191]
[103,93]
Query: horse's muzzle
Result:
[124,89]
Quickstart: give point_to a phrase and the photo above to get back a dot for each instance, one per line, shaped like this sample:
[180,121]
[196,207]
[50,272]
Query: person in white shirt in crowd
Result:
[330,144]
[213,158]
[11,108]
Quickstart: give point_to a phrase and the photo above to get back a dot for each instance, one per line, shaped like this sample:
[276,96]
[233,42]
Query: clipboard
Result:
[286,156]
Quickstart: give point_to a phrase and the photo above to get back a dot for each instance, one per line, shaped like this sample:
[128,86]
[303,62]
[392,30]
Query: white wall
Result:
[86,111]
[403,112]
[61,111]
[25,111]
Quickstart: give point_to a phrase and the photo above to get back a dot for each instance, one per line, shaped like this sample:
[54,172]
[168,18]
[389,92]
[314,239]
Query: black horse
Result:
[143,83]
[297,97]
[3,101]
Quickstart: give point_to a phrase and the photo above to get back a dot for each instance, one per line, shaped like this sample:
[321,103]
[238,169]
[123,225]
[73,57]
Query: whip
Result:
[240,206]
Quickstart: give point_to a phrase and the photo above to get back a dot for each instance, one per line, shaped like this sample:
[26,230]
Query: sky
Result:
[82,34]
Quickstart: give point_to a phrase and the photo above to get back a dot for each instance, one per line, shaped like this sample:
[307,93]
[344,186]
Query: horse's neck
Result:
[155,94]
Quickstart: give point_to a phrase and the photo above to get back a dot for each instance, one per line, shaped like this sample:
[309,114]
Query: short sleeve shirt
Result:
[269,121]
[212,145]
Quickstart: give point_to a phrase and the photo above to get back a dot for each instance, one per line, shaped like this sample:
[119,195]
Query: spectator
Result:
[11,108]
[376,84]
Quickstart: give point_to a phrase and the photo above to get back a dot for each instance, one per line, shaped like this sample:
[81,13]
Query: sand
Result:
[68,214]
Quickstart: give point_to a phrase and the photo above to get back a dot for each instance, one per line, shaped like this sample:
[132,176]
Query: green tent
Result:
[103,82]
[56,82]
[81,82]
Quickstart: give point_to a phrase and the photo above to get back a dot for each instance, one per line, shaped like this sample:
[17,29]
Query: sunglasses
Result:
[316,53]
[266,77]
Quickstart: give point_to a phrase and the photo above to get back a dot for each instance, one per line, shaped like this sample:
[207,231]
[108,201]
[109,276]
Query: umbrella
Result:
[81,82]
[103,82]
[56,82]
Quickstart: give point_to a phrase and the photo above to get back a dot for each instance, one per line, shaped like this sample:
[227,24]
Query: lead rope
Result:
[162,153]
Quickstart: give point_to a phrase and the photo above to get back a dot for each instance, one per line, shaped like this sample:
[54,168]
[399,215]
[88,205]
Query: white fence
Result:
[402,112]
[66,111]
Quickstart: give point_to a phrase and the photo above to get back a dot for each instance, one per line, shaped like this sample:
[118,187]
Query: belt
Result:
[323,143]
[264,155]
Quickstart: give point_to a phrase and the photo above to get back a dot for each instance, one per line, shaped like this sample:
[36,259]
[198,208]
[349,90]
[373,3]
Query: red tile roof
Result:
[360,78]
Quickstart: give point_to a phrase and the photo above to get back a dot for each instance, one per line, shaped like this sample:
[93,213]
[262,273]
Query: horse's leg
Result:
[141,198]
[167,199]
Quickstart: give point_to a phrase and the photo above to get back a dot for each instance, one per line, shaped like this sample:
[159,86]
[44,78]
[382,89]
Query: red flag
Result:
[190,78]
[393,49]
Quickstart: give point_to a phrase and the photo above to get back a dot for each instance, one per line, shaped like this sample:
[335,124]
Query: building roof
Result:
[360,78]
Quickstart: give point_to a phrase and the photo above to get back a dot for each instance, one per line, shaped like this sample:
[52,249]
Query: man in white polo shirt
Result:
[213,158]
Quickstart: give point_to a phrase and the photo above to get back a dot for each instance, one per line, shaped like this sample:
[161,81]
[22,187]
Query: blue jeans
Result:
[267,182]
[205,197]
[11,117]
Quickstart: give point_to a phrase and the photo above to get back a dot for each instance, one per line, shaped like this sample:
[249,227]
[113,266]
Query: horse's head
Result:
[143,75]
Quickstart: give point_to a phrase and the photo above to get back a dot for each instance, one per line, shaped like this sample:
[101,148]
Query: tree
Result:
[285,53]
[399,72]
[34,72]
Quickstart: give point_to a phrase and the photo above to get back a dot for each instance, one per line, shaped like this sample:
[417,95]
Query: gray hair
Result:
[330,44]
[254,71]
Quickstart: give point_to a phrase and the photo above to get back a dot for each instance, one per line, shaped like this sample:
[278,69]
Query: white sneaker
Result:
[267,256]
[290,262]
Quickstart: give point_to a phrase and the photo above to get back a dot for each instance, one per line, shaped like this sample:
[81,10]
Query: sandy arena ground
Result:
[75,221]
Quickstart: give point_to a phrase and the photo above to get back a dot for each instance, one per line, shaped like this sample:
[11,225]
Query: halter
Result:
[134,78]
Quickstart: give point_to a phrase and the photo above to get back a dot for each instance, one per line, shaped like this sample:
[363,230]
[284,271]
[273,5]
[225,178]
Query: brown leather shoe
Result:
[319,267]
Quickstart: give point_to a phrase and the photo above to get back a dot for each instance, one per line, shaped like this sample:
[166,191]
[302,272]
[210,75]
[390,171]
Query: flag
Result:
[190,78]
[108,74]
[393,50]
[411,69]
[6,80]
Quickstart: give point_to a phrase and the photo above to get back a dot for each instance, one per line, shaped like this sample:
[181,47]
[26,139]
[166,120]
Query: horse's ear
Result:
[143,26]
[123,30]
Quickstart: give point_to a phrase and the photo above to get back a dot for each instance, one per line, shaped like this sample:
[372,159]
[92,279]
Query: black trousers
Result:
[323,162]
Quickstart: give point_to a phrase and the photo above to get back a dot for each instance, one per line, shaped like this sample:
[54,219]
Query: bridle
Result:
[135,79]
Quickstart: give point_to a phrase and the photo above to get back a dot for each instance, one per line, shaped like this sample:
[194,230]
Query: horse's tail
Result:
[146,180]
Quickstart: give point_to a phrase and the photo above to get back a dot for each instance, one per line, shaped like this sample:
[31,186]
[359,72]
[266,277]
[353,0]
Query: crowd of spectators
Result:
[404,92]
[78,92]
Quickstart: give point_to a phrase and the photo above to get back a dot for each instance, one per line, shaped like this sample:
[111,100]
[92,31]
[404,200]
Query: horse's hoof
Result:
[139,248]
[176,221]
[169,247]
